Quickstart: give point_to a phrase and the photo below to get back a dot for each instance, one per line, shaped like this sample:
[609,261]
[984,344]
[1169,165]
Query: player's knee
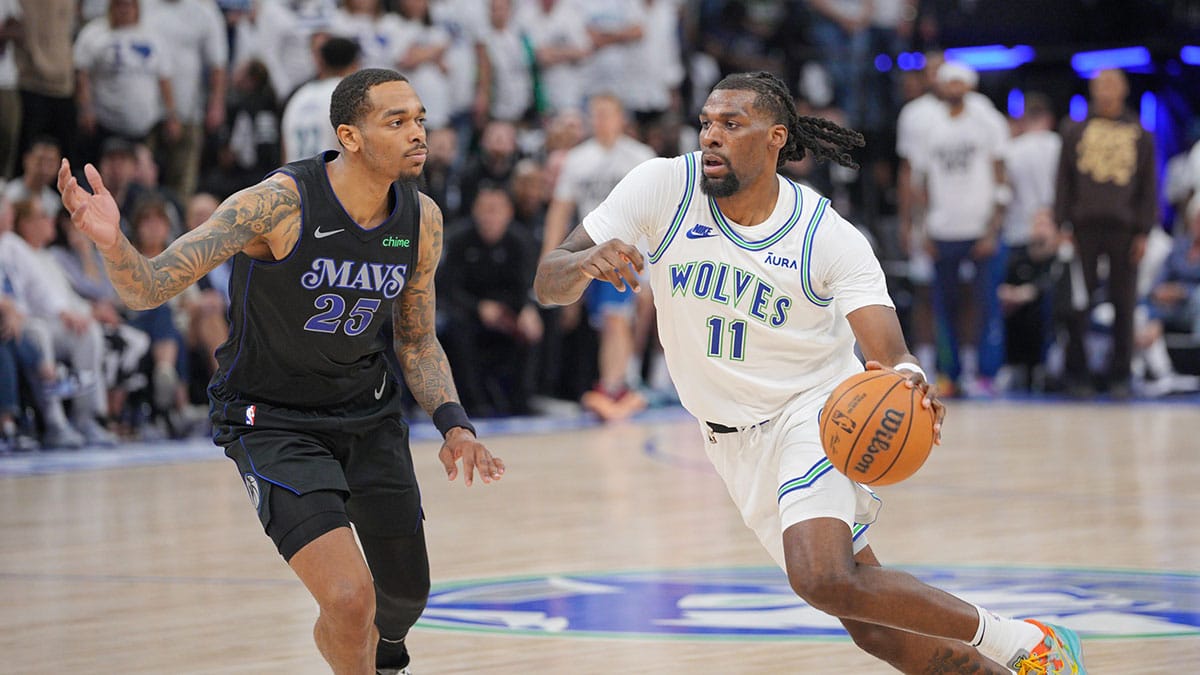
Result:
[349,602]
[831,592]
[399,613]
[877,641]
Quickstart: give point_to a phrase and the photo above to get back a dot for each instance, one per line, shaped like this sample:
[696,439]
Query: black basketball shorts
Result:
[360,454]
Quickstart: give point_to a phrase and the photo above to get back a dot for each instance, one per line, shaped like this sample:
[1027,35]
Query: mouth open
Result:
[713,165]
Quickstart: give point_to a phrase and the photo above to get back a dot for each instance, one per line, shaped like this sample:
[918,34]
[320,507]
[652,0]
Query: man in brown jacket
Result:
[1107,192]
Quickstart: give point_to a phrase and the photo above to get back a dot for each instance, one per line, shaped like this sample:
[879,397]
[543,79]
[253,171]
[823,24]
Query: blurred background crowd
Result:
[1029,180]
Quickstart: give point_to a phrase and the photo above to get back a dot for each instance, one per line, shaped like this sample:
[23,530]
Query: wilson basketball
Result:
[874,429]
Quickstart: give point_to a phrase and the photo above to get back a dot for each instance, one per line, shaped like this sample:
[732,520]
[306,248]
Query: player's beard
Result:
[725,186]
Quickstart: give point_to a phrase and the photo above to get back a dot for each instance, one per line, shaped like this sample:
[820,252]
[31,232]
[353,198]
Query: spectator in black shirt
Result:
[491,322]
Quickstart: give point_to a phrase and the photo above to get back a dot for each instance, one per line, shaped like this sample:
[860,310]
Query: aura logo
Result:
[757,603]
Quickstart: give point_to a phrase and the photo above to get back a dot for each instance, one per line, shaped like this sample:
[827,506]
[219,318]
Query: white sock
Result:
[1001,639]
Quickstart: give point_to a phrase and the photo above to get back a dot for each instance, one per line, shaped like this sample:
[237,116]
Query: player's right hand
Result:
[616,262]
[461,444]
[96,215]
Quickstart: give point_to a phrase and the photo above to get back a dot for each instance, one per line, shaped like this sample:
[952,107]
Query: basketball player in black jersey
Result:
[325,251]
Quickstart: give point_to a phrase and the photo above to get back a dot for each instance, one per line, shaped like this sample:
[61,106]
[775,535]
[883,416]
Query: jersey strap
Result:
[681,210]
[806,256]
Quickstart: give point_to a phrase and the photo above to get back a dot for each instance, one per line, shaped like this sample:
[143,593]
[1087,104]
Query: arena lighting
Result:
[1079,108]
[991,57]
[910,60]
[883,63]
[1087,63]
[1149,111]
[1016,103]
[1190,55]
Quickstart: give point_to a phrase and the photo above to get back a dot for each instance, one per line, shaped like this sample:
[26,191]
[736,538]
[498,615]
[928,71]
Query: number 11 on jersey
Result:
[716,338]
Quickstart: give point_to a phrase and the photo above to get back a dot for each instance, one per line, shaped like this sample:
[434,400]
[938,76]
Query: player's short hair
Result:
[350,102]
[339,53]
[824,139]
[1038,104]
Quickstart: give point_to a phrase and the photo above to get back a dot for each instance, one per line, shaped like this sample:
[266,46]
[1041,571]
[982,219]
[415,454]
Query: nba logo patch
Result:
[250,415]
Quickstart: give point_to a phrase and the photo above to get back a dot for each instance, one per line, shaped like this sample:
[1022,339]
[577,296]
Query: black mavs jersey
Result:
[305,330]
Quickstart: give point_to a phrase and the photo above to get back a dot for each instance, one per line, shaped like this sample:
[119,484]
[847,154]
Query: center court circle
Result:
[757,603]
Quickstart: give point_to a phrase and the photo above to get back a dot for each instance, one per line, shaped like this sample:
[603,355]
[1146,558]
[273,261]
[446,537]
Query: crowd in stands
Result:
[535,110]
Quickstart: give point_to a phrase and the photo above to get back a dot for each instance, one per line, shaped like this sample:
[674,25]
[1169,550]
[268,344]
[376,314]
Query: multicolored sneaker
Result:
[1059,653]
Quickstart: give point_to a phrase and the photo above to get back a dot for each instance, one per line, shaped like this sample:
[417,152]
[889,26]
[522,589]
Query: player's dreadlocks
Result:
[824,139]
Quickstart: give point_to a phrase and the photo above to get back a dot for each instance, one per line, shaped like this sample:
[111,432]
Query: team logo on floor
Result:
[757,603]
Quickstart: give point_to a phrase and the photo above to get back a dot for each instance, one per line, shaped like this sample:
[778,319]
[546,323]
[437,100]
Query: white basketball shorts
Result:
[778,475]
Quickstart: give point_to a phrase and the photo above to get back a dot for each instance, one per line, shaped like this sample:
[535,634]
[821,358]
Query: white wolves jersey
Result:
[749,317]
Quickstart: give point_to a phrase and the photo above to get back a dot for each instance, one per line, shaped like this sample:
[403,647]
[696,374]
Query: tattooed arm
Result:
[262,220]
[422,359]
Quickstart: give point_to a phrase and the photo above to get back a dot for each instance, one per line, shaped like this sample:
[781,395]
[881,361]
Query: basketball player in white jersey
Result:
[762,290]
[304,127]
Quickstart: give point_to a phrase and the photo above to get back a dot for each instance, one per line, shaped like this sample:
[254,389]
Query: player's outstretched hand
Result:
[96,215]
[616,262]
[931,400]
[461,444]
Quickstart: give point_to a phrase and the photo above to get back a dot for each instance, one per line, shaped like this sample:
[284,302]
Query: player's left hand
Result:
[930,400]
[461,444]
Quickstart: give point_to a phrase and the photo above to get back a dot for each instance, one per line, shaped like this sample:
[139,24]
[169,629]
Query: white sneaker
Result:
[94,433]
[62,436]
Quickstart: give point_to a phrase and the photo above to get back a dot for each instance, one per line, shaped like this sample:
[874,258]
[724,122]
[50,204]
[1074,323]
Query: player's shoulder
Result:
[429,208]
[821,221]
[669,171]
[812,204]
[280,188]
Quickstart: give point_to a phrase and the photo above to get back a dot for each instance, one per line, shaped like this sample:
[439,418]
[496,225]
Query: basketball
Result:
[874,428]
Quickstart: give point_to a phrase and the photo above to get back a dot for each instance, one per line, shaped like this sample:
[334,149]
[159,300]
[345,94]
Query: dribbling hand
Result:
[931,400]
[96,215]
[462,444]
[616,262]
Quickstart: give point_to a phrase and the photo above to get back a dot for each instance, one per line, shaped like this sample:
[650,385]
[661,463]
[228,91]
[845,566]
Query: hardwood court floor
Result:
[164,568]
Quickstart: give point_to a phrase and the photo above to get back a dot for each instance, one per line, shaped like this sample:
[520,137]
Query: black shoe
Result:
[1080,391]
[1120,391]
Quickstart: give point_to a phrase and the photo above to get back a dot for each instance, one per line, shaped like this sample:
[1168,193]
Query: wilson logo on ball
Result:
[889,426]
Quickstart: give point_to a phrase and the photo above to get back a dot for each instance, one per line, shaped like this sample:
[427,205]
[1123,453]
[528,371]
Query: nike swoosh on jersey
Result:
[319,234]
[700,232]
[382,386]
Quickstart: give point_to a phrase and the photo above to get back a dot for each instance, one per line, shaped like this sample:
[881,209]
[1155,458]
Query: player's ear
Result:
[779,136]
[350,137]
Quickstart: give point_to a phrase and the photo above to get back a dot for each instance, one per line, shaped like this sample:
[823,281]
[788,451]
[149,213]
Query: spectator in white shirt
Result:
[194,32]
[421,56]
[615,27]
[40,164]
[377,32]
[1031,164]
[281,34]
[561,45]
[658,58]
[74,335]
[590,172]
[123,79]
[961,163]
[509,72]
